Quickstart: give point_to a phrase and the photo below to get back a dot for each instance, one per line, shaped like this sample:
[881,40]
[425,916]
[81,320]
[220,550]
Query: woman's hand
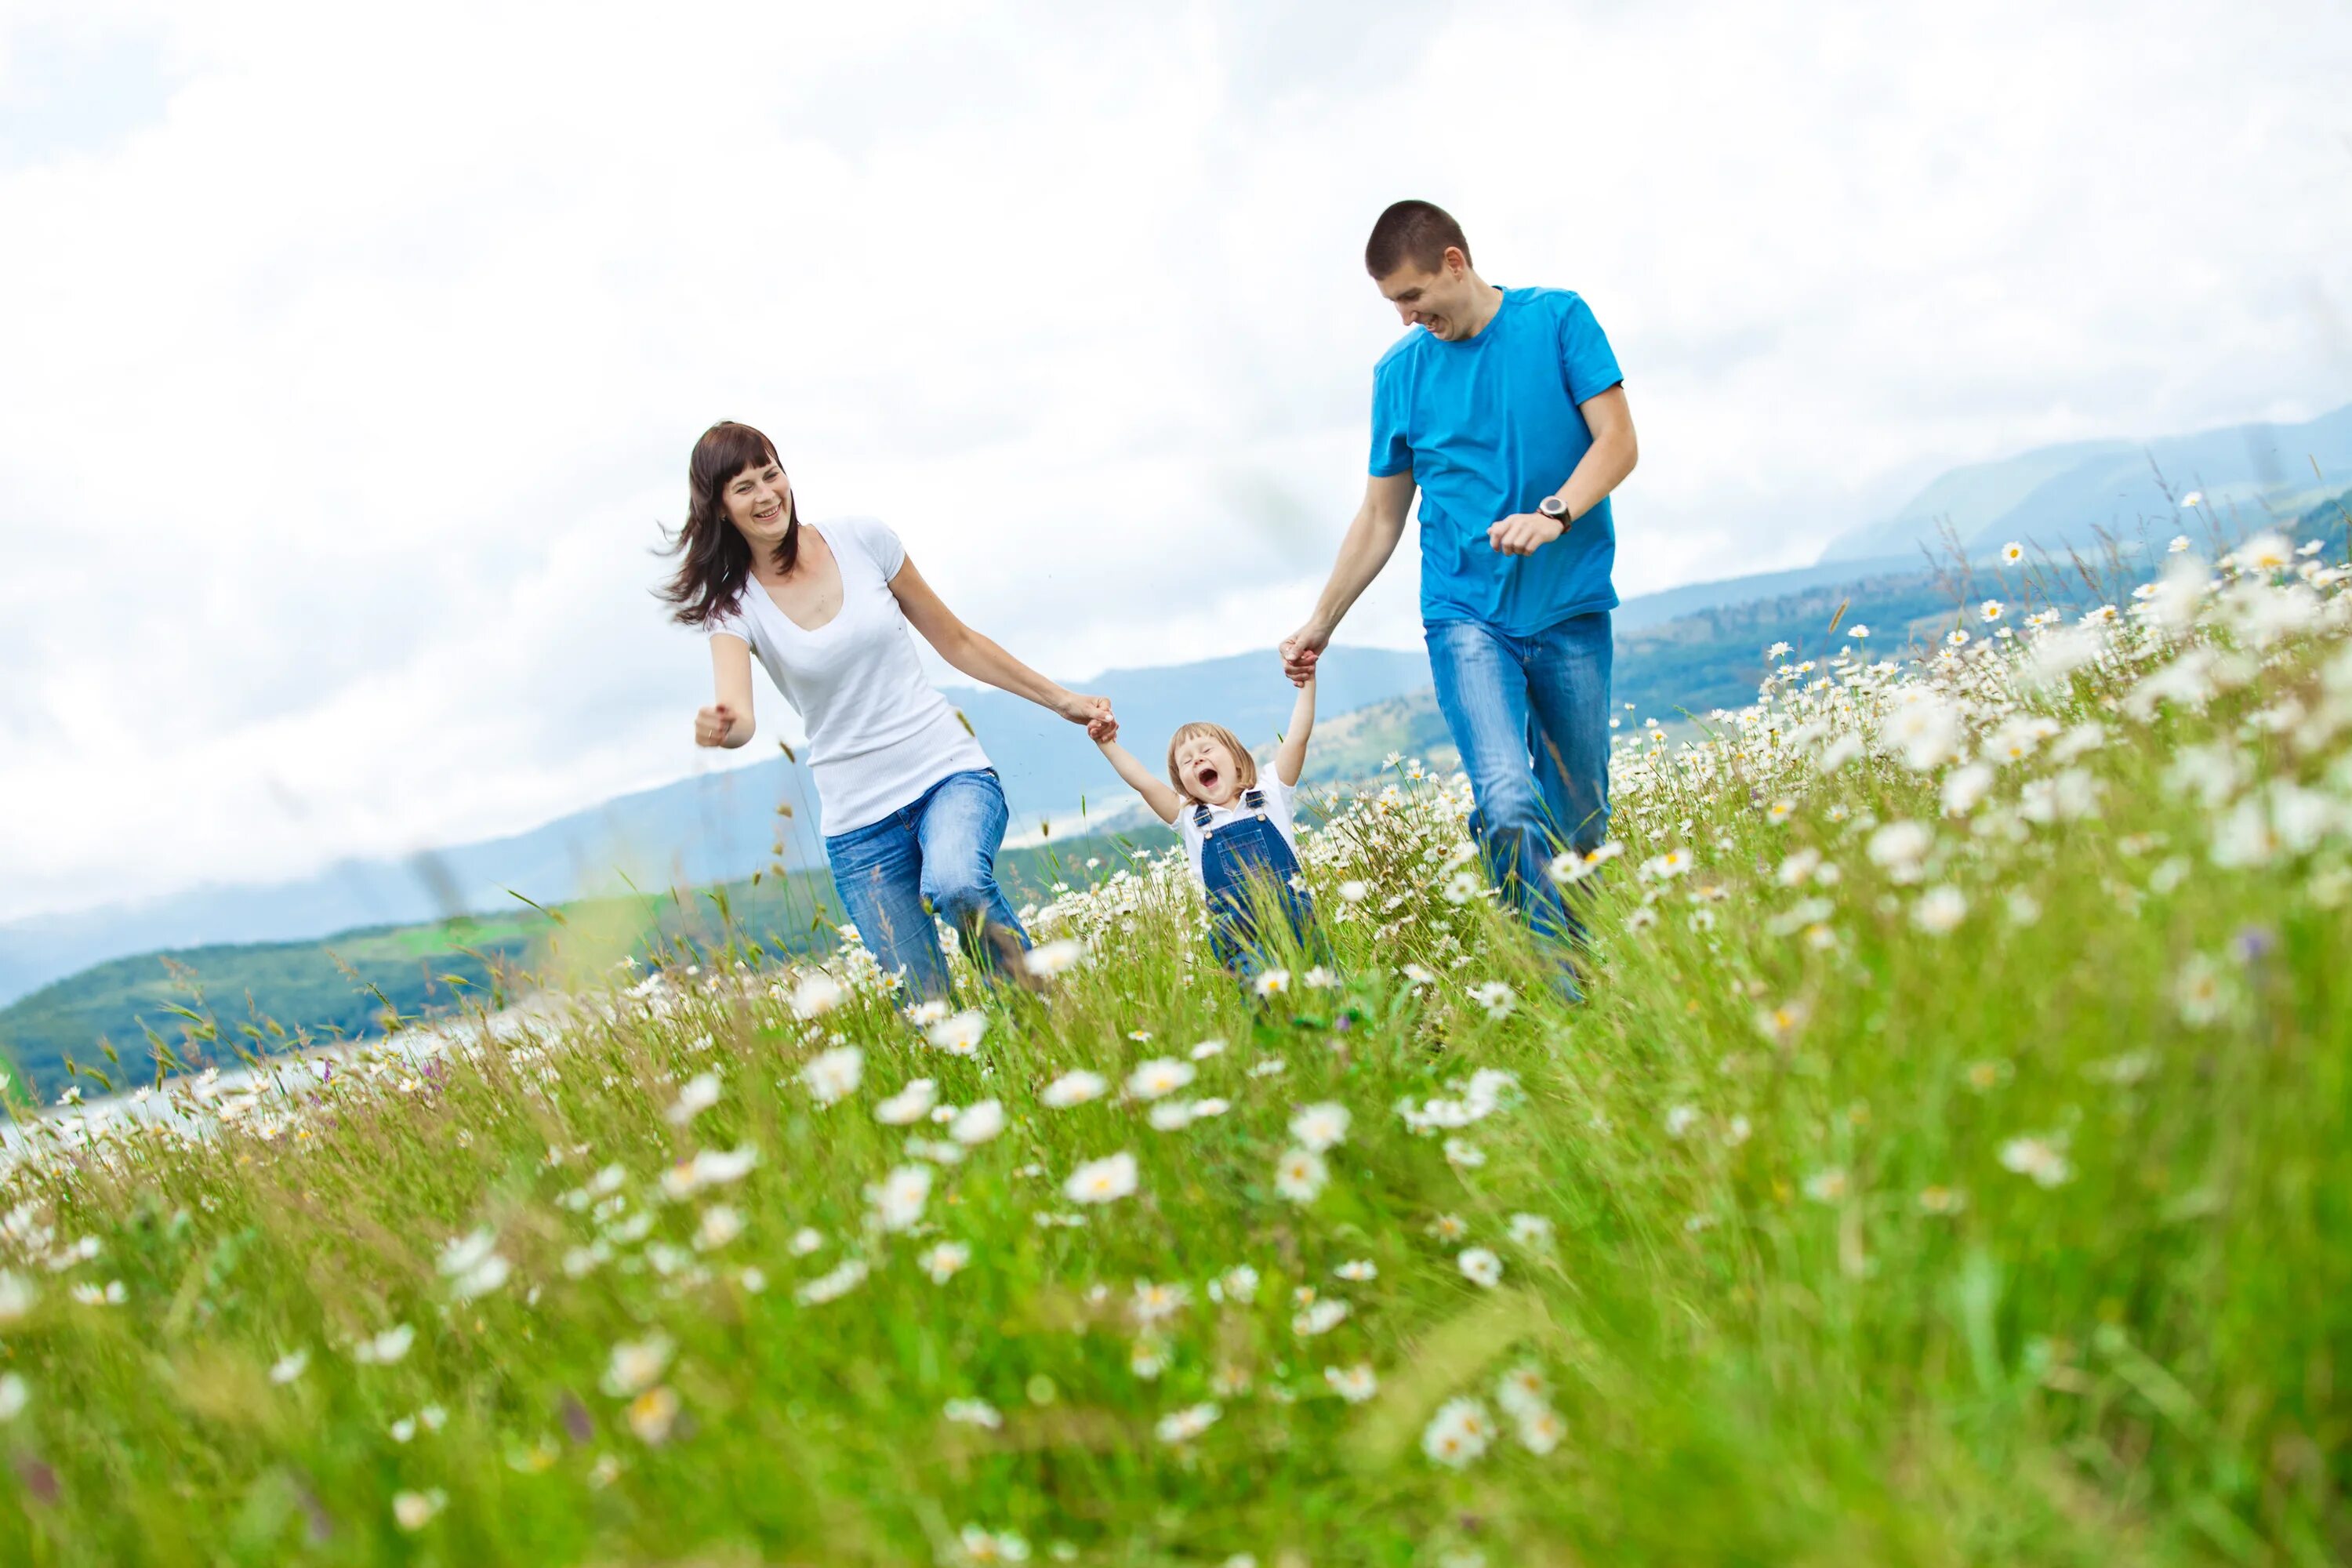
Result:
[1087,710]
[714,724]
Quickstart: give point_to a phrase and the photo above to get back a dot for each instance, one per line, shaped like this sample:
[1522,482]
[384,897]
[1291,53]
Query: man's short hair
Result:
[1417,232]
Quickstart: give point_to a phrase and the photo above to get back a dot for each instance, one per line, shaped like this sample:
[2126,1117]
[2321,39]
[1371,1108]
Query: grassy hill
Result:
[1951,1161]
[1707,659]
[263,998]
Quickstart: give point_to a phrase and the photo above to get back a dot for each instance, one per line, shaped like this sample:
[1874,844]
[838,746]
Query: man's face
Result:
[1439,300]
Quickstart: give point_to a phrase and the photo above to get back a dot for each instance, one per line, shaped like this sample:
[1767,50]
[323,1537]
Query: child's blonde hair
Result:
[1243,763]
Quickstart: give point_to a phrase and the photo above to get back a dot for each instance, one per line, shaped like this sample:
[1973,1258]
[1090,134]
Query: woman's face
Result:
[759,504]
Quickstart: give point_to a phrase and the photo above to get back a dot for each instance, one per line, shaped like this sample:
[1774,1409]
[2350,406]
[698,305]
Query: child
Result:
[1235,824]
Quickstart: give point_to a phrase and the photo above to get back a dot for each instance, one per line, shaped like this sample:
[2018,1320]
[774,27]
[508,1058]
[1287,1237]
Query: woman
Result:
[912,813]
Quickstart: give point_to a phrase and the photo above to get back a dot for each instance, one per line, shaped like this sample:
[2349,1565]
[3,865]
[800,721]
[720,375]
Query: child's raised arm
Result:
[1291,759]
[1165,802]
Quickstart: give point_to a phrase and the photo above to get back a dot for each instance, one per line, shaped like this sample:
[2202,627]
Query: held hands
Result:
[1094,712]
[1302,649]
[1522,533]
[713,724]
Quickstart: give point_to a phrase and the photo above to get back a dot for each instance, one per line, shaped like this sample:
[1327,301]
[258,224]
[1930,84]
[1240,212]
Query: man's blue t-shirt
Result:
[1488,427]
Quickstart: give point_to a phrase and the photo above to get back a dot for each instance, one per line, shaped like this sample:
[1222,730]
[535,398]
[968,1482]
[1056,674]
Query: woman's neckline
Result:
[840,577]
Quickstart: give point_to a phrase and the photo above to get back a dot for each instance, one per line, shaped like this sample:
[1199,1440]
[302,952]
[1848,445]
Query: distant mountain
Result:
[268,996]
[1654,610]
[709,828]
[2070,495]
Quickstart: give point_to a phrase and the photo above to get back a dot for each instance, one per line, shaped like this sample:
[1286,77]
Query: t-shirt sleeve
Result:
[880,541]
[1585,356]
[733,623]
[1392,447]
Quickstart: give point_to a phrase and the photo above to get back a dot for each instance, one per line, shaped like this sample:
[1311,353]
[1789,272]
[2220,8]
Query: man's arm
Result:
[1602,469]
[1371,538]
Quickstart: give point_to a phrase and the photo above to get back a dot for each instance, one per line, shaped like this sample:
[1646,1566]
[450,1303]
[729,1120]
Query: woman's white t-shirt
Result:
[1278,796]
[879,733]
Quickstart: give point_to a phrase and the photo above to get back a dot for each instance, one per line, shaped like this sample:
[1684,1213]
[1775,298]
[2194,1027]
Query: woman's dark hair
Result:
[717,560]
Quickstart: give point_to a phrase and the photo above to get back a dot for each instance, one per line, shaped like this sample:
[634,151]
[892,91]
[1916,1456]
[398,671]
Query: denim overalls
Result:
[1236,858]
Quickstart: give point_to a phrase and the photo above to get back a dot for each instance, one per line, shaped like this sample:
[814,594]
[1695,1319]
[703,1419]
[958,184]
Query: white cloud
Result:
[352,356]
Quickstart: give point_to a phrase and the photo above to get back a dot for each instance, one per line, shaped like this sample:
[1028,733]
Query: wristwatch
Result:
[1556,509]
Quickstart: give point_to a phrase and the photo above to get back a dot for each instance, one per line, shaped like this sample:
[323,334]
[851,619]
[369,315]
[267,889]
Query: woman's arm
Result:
[980,659]
[728,720]
[1290,760]
[1163,801]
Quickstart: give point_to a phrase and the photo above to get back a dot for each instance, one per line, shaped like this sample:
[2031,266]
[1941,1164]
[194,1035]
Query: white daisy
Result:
[1072,1088]
[1101,1181]
[960,1036]
[834,1075]
[976,1123]
[943,1260]
[1162,1075]
[1480,1267]
[898,1198]
[1320,1126]
[1458,1432]
[1301,1174]
[909,1105]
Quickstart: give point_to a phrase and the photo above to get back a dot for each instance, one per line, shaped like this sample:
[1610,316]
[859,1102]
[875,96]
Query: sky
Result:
[349,355]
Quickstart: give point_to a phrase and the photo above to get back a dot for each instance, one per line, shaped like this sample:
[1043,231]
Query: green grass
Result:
[109,1026]
[1985,1201]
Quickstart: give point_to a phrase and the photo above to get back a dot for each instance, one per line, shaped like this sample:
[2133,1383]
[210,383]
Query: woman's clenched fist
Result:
[713,724]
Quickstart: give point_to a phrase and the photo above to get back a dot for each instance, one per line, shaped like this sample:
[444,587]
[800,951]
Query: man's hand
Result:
[1301,650]
[1522,533]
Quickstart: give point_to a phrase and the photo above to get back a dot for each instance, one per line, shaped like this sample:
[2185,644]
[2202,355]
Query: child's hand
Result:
[1077,710]
[1102,731]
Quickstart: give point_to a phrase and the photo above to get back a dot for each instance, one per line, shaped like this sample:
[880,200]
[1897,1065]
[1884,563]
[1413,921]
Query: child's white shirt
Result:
[1277,796]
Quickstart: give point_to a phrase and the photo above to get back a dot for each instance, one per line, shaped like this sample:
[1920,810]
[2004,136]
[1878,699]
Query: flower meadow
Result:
[1951,1162]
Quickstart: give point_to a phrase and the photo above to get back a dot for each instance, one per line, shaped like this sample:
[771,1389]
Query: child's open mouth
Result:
[1207,779]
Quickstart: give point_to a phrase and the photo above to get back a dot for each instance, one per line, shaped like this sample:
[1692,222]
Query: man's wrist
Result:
[1556,508]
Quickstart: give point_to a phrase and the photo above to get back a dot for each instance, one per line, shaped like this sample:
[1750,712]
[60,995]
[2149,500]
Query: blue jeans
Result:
[936,856]
[1531,717]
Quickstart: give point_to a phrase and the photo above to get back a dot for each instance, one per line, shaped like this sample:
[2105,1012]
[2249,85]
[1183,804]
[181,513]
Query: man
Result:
[1505,408]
